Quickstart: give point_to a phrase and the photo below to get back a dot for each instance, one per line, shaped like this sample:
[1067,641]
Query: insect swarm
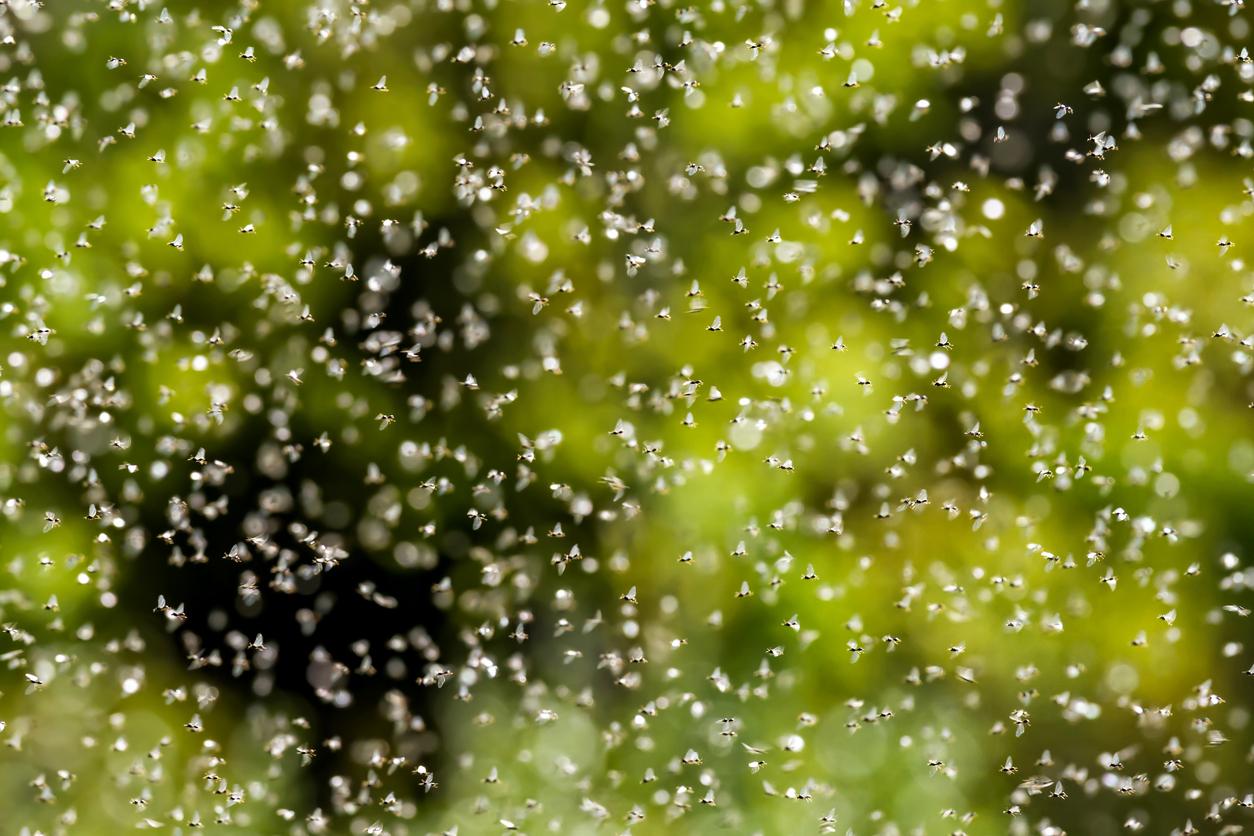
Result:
[391,350]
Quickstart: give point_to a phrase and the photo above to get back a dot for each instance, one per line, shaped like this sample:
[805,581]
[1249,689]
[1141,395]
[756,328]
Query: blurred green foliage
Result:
[921,575]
